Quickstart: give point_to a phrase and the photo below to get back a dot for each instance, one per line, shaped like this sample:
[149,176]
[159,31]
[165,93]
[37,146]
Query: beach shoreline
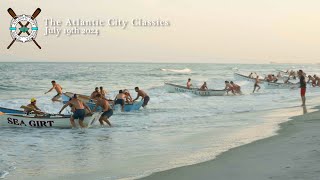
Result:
[290,154]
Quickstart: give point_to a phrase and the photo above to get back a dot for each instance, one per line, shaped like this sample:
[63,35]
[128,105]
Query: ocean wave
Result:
[186,70]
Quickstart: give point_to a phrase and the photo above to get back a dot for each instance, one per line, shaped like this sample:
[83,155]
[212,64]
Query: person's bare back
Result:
[77,104]
[58,88]
[104,104]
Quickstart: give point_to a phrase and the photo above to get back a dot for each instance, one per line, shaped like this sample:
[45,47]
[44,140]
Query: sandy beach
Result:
[292,154]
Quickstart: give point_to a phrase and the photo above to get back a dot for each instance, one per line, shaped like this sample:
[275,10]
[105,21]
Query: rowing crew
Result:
[233,87]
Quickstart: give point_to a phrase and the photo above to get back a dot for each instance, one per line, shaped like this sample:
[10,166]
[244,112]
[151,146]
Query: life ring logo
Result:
[24,28]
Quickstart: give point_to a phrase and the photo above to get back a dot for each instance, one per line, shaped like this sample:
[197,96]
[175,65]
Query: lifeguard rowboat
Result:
[47,121]
[272,85]
[177,88]
[246,78]
[11,111]
[86,99]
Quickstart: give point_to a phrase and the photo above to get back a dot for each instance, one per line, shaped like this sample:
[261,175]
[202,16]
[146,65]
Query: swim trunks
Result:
[119,101]
[79,114]
[108,113]
[303,91]
[145,101]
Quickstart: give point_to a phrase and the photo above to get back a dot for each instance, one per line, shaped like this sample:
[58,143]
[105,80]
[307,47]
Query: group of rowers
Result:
[80,109]
[229,87]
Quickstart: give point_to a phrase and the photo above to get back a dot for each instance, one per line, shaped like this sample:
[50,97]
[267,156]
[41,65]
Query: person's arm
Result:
[87,107]
[49,90]
[67,104]
[36,107]
[95,107]
[137,97]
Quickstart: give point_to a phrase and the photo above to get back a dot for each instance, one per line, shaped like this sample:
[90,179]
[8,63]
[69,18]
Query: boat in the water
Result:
[86,99]
[177,88]
[46,121]
[246,78]
[273,85]
[11,111]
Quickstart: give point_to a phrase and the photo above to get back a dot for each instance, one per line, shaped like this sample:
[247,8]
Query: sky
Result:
[210,31]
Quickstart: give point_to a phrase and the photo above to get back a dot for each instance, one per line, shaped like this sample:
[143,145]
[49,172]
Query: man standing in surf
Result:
[107,110]
[58,88]
[303,87]
[256,84]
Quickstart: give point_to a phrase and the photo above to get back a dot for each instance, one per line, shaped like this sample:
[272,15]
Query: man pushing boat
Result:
[79,112]
[58,88]
[143,95]
[107,110]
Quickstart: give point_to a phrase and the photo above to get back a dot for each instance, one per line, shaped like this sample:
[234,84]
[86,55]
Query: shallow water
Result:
[175,129]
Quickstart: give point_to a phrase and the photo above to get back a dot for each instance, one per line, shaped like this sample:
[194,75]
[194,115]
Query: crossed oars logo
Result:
[24,28]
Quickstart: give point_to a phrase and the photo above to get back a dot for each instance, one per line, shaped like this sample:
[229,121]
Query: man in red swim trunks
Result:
[303,87]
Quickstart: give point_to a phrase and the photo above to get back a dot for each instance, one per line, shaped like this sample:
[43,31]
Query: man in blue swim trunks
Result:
[143,95]
[120,100]
[79,112]
[107,110]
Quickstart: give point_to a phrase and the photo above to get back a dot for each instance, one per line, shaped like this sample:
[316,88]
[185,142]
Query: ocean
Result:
[176,129]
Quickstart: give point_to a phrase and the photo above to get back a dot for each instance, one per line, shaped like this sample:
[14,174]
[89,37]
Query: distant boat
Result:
[177,88]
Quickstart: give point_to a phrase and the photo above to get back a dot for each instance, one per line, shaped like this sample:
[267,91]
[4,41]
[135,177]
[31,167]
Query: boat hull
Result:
[10,111]
[172,88]
[245,78]
[127,107]
[272,85]
[56,121]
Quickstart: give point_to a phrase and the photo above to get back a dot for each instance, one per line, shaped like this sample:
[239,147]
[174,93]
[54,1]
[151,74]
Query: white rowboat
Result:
[177,88]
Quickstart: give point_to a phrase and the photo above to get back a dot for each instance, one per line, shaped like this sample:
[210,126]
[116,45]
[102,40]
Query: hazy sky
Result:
[244,31]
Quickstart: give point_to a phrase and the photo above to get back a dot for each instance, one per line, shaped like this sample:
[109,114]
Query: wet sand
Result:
[292,154]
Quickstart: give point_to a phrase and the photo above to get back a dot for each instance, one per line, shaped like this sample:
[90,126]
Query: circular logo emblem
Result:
[23,28]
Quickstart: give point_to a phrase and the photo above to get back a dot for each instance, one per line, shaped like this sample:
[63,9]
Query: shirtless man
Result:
[274,78]
[94,93]
[236,87]
[256,84]
[313,81]
[143,95]
[204,87]
[229,87]
[33,108]
[58,88]
[317,79]
[120,100]
[103,92]
[79,112]
[189,83]
[107,110]
[128,96]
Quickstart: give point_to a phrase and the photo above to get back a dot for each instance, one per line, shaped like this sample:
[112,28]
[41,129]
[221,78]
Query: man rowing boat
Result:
[107,110]
[79,112]
[32,107]
[204,87]
[143,95]
[58,88]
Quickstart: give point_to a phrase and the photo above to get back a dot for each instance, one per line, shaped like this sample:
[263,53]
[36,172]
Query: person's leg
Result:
[303,100]
[258,87]
[105,119]
[254,88]
[81,123]
[73,124]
